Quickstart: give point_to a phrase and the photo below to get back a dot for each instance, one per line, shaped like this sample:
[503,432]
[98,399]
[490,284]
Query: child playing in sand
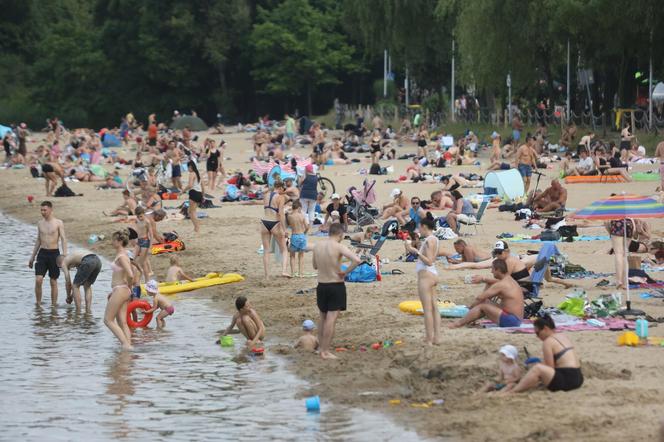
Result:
[175,272]
[308,341]
[250,324]
[297,221]
[334,218]
[160,302]
[509,368]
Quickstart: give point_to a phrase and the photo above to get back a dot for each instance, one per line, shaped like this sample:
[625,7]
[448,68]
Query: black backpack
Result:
[63,191]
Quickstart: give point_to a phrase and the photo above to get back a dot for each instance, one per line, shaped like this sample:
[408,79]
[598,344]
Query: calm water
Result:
[63,378]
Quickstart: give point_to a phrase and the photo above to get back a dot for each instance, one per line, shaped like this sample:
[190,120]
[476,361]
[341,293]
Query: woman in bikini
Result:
[196,191]
[422,141]
[427,278]
[561,369]
[212,163]
[376,150]
[273,225]
[115,316]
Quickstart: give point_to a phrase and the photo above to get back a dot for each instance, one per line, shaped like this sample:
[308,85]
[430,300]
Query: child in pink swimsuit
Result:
[160,302]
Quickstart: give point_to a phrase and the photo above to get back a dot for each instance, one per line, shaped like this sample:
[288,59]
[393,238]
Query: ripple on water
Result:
[63,378]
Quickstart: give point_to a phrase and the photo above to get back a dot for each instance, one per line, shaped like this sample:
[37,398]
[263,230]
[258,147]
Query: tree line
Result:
[91,61]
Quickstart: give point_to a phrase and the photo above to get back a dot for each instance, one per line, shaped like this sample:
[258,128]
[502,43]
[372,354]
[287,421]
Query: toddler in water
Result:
[175,272]
[160,302]
[509,368]
[308,341]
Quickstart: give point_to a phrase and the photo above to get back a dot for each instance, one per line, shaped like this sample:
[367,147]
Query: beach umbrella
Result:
[623,206]
[195,123]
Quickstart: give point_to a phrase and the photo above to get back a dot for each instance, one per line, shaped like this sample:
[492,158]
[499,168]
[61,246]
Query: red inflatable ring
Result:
[138,304]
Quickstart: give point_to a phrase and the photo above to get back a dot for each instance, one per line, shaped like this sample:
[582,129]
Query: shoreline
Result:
[616,389]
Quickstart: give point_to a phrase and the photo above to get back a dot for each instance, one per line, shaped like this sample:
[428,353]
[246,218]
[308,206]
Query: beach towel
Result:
[573,179]
[571,326]
[646,176]
[527,239]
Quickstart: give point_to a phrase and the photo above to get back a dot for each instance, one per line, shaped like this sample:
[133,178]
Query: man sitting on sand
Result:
[469,253]
[248,322]
[553,198]
[507,313]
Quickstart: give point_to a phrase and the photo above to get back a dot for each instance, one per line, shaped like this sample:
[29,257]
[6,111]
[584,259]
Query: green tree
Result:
[299,47]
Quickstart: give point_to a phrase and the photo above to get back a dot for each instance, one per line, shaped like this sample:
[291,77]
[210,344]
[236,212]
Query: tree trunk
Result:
[309,110]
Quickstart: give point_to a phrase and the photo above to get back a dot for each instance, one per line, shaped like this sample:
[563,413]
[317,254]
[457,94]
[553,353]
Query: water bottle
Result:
[93,239]
[642,328]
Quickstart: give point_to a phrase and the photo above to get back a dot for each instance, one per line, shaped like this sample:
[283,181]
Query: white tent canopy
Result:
[658,93]
[508,183]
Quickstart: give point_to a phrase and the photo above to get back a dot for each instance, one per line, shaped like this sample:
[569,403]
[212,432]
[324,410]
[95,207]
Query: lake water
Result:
[62,376]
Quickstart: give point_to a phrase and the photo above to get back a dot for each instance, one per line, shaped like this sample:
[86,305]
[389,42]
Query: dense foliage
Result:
[90,61]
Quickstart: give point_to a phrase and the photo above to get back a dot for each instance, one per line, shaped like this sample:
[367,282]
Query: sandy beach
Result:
[622,394]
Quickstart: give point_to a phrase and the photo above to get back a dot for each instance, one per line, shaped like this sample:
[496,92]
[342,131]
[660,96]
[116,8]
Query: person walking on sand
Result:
[88,266]
[331,290]
[196,190]
[273,225]
[526,159]
[427,278]
[50,232]
[115,315]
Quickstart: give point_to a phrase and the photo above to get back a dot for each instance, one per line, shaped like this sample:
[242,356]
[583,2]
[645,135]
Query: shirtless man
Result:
[146,229]
[297,221]
[659,153]
[526,158]
[88,266]
[468,253]
[440,201]
[507,313]
[396,207]
[331,290]
[553,198]
[50,232]
[248,322]
[318,154]
[52,171]
[175,156]
[127,208]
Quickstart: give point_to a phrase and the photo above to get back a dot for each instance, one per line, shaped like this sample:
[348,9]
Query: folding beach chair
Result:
[533,285]
[477,219]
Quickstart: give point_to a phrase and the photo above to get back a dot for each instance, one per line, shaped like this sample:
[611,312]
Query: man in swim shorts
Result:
[50,232]
[88,266]
[509,312]
[331,290]
[526,159]
[297,221]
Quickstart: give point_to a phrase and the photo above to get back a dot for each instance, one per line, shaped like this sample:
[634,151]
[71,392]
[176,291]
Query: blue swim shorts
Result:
[298,242]
[525,170]
[508,320]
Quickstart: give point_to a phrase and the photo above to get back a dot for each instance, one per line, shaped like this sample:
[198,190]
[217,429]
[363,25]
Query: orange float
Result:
[142,305]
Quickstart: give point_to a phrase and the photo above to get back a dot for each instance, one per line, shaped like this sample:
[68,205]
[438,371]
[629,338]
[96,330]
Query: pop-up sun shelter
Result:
[508,183]
[4,130]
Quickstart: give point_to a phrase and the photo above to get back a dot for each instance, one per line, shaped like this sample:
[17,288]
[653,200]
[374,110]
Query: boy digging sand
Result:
[510,370]
[298,242]
[250,324]
[160,302]
[308,341]
[175,272]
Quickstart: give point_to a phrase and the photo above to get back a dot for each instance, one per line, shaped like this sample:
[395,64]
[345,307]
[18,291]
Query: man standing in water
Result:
[50,231]
[88,266]
[331,290]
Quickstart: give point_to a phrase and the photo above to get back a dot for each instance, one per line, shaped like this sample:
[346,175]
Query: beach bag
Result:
[549,235]
[170,236]
[64,191]
[567,231]
[375,170]
[362,273]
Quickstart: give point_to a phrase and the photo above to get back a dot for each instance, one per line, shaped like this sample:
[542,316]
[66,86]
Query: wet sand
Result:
[622,394]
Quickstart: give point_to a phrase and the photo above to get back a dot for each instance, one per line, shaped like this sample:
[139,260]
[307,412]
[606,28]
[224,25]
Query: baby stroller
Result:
[359,202]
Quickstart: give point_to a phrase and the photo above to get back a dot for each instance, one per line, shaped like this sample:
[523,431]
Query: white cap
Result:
[335,213]
[500,246]
[395,192]
[494,135]
[510,352]
[308,325]
[335,196]
[152,287]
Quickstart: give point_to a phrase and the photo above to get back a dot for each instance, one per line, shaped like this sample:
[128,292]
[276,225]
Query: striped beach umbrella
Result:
[621,207]
[618,207]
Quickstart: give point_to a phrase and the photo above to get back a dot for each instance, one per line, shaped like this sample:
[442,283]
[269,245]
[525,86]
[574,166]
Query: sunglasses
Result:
[415,203]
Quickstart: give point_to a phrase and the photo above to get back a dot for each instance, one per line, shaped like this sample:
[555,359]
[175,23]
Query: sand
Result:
[622,394]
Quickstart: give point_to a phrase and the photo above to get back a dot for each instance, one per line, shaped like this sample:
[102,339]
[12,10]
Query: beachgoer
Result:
[50,232]
[292,192]
[88,266]
[509,370]
[298,241]
[586,165]
[561,369]
[308,185]
[52,170]
[248,322]
[196,189]
[517,127]
[337,206]
[159,302]
[526,159]
[507,313]
[128,207]
[427,278]
[553,198]
[462,211]
[398,205]
[212,163]
[273,226]
[620,230]
[376,149]
[308,341]
[175,272]
[318,143]
[422,141]
[331,290]
[468,252]
[115,315]
[290,130]
[146,232]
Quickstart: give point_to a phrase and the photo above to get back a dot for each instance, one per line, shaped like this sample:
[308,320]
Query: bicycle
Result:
[325,185]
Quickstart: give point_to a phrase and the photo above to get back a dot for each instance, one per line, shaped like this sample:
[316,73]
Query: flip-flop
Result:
[397,272]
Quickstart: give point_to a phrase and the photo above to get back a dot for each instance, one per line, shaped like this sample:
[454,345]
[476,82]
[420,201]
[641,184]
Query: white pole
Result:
[567,110]
[650,94]
[389,64]
[406,87]
[509,96]
[385,73]
[452,88]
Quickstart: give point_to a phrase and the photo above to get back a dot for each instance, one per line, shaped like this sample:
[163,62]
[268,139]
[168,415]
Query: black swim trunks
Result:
[47,168]
[88,270]
[177,172]
[566,379]
[47,261]
[331,296]
[196,196]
